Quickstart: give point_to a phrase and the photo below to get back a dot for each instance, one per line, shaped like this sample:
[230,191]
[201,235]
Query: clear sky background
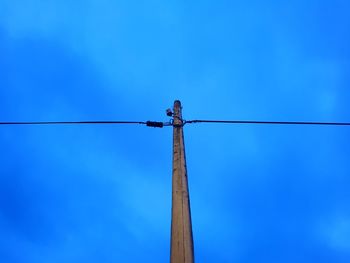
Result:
[103,193]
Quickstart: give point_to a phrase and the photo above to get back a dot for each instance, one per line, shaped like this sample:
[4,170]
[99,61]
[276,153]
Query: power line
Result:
[270,122]
[156,124]
[71,122]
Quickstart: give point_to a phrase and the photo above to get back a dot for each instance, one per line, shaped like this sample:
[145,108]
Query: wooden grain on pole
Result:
[181,225]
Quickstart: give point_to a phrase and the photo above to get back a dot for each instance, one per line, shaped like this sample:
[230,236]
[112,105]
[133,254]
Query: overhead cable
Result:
[270,122]
[70,122]
[156,124]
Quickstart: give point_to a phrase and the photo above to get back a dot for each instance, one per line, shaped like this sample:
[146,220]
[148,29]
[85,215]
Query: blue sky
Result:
[103,194]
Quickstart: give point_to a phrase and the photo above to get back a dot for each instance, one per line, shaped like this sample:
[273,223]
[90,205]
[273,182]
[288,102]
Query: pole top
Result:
[178,122]
[177,103]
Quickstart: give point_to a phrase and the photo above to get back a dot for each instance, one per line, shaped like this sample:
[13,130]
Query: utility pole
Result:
[181,225]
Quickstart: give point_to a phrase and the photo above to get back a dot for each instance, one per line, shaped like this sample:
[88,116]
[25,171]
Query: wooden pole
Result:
[181,225]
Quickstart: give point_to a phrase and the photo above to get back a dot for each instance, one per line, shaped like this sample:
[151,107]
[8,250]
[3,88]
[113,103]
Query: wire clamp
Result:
[155,124]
